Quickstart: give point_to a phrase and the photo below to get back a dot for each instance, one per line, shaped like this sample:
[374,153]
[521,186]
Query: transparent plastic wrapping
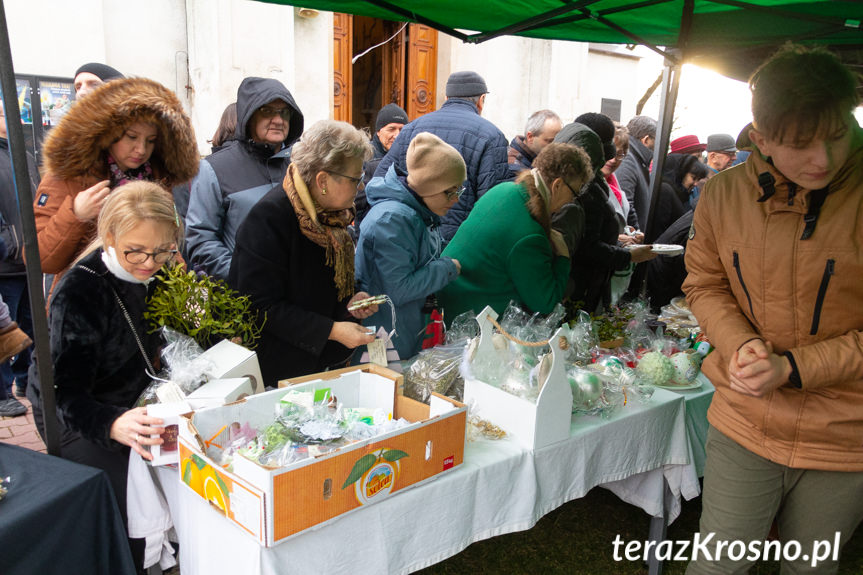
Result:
[183,359]
[183,365]
[479,428]
[464,327]
[433,370]
[303,430]
[514,366]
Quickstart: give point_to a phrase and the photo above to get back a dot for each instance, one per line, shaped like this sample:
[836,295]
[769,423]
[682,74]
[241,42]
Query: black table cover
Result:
[59,517]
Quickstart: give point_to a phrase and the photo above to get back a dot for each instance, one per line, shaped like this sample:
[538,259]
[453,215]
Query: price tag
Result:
[378,352]
[170,392]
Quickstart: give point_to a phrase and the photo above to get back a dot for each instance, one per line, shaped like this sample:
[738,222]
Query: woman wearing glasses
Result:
[507,248]
[233,178]
[295,259]
[100,345]
[399,249]
[126,130]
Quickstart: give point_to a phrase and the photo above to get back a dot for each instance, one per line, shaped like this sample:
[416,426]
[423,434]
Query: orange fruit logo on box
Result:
[204,481]
[374,474]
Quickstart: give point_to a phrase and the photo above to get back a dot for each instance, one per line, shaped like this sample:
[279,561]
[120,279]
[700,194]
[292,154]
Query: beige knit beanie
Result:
[433,165]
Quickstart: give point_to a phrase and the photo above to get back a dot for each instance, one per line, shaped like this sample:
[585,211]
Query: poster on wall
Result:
[24,104]
[56,99]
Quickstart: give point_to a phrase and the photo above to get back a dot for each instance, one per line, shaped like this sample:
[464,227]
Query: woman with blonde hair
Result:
[295,259]
[507,248]
[126,130]
[100,346]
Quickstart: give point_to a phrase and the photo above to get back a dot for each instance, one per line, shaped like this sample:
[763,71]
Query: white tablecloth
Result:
[500,488]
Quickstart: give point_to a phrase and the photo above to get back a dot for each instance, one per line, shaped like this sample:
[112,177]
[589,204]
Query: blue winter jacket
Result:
[233,179]
[482,145]
[398,254]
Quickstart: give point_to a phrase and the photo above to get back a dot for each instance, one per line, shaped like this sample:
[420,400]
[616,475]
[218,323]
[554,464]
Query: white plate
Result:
[694,385]
[667,249]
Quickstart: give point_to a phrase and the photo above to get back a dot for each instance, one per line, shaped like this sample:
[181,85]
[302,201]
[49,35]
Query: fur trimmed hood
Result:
[78,145]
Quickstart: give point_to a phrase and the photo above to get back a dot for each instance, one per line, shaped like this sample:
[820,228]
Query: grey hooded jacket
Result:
[233,179]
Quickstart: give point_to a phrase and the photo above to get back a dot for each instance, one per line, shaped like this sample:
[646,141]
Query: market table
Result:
[697,403]
[59,517]
[500,488]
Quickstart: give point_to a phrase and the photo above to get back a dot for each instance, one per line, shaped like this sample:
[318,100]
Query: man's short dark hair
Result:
[807,90]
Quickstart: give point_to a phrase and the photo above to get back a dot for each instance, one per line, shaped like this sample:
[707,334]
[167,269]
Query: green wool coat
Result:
[504,255]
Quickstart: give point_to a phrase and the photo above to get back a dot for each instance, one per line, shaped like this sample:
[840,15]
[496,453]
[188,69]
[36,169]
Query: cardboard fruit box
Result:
[272,505]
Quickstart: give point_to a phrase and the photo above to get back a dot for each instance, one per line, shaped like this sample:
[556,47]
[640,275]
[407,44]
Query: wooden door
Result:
[342,68]
[393,73]
[422,70]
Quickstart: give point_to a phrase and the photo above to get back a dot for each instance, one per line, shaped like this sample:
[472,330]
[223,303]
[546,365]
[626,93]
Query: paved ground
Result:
[21,430]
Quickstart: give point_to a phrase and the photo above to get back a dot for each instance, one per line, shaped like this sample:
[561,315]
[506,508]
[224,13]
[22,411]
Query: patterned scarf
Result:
[119,177]
[326,229]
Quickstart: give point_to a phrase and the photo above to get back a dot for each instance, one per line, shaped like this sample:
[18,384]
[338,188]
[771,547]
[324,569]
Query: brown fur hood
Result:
[78,145]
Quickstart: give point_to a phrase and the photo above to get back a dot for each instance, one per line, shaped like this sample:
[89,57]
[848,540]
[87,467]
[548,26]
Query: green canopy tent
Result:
[730,36]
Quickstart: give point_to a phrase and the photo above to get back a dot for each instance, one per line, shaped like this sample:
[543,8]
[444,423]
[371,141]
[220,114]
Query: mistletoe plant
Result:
[203,308]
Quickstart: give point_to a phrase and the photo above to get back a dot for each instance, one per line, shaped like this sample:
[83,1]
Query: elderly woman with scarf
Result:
[295,259]
[598,254]
[129,129]
[506,246]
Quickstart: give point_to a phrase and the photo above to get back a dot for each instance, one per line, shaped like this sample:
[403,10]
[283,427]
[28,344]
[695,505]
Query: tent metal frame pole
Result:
[31,247]
[532,22]
[670,85]
[414,17]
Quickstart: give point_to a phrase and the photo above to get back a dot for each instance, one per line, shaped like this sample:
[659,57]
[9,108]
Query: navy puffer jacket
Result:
[482,145]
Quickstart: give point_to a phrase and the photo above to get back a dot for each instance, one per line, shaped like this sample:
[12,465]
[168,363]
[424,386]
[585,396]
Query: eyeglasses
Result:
[357,181]
[140,256]
[268,112]
[454,192]
[620,156]
[574,193]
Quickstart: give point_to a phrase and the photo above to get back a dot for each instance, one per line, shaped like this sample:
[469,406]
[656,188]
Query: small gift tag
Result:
[170,392]
[378,352]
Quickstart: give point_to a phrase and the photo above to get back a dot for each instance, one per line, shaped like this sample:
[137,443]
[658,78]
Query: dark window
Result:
[611,108]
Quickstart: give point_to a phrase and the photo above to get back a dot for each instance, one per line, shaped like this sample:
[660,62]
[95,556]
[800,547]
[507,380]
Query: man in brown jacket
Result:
[775,269]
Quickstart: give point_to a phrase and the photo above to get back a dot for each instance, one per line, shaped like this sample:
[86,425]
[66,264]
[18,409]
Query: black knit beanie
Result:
[390,114]
[604,128]
[101,71]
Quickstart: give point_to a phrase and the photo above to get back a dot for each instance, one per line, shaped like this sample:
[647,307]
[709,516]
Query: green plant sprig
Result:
[203,308]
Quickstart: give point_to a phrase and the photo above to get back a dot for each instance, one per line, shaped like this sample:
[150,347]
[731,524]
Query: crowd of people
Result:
[440,212]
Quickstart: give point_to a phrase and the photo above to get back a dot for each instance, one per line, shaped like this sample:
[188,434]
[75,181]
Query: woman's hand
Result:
[457,265]
[626,240]
[363,312]
[350,334]
[134,428]
[87,204]
[641,254]
[558,245]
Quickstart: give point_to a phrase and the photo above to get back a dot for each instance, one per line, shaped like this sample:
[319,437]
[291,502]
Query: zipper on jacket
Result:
[822,291]
[742,283]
